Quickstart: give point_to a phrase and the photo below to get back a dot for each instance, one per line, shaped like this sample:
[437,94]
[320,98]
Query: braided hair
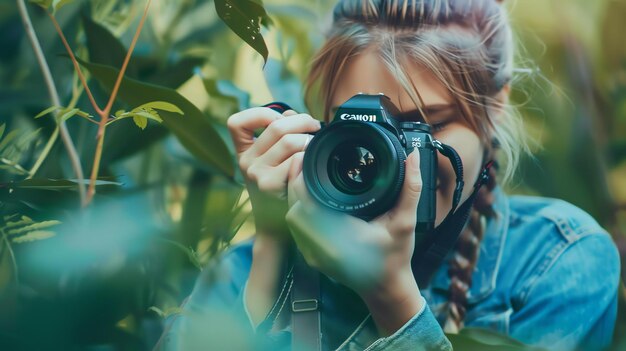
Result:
[467,248]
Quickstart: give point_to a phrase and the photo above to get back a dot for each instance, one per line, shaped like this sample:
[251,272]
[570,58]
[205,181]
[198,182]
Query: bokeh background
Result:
[169,199]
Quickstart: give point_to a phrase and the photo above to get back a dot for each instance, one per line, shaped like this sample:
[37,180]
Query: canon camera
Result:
[356,164]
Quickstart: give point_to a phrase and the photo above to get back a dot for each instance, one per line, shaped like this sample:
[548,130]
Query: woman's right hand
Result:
[265,163]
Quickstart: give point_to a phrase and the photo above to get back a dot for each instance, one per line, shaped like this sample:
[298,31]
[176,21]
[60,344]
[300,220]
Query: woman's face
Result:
[366,73]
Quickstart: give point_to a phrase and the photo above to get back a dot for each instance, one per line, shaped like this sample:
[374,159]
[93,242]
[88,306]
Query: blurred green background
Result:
[169,197]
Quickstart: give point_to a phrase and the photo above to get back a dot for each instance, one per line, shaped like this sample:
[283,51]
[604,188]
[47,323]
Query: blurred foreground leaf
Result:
[53,184]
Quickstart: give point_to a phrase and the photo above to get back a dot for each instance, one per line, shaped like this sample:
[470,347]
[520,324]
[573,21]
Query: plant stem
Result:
[120,76]
[54,96]
[104,114]
[96,163]
[75,62]
[44,153]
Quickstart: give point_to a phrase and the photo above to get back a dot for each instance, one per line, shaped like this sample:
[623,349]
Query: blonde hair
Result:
[466,44]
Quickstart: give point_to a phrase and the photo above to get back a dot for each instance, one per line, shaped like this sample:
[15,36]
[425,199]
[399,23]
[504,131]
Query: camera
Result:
[356,163]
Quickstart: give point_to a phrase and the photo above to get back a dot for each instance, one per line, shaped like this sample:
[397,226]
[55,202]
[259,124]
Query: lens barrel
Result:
[355,167]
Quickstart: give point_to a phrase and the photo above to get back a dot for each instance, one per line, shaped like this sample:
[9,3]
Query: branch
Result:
[76,65]
[54,96]
[120,76]
[104,114]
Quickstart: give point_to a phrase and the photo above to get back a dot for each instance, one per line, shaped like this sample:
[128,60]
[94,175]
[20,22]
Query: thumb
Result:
[406,208]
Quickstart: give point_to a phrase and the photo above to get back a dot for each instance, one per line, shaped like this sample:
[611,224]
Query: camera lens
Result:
[352,168]
[355,167]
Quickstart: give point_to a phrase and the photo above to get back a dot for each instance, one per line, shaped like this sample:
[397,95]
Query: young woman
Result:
[539,270]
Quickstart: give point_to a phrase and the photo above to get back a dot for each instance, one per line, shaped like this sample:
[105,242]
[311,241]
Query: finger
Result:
[295,165]
[241,125]
[404,214]
[296,124]
[289,113]
[273,180]
[286,147]
[299,191]
[295,169]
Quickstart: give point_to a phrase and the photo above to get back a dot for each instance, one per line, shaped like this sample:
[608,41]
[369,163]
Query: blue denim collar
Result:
[489,257]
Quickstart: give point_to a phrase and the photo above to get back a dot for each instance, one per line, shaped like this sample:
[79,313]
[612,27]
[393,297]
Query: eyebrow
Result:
[428,111]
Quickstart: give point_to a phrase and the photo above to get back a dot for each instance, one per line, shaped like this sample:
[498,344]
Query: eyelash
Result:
[437,127]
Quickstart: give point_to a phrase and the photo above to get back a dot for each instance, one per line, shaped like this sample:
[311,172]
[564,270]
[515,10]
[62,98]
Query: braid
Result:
[465,256]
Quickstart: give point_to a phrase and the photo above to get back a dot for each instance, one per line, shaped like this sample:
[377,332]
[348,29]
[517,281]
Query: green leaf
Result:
[153,115]
[5,142]
[12,166]
[43,3]
[54,4]
[194,131]
[56,184]
[83,114]
[104,48]
[24,220]
[225,89]
[168,311]
[32,227]
[33,236]
[67,114]
[46,111]
[2,128]
[140,121]
[57,4]
[244,18]
[161,105]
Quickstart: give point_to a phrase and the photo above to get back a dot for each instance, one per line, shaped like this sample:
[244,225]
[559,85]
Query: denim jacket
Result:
[547,274]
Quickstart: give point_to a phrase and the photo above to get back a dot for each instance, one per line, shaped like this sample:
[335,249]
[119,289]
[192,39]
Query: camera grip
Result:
[427,206]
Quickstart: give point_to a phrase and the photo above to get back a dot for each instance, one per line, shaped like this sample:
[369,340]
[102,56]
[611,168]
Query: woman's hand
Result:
[264,163]
[372,258]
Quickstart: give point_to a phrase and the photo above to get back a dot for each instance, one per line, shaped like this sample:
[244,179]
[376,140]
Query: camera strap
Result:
[306,326]
[430,252]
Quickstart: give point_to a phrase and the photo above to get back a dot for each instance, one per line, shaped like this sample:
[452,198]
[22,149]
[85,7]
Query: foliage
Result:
[167,197]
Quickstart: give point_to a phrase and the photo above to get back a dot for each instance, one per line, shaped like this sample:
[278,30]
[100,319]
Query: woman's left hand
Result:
[372,258]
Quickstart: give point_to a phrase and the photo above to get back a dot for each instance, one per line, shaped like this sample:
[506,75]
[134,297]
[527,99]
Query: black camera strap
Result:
[430,252]
[306,326]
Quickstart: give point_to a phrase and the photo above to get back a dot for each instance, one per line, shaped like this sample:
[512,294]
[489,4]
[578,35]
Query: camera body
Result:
[356,164]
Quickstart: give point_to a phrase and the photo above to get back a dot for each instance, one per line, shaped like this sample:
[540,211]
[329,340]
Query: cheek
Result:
[468,146]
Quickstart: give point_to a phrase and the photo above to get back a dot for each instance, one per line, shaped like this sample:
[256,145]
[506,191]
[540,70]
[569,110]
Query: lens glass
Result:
[353,168]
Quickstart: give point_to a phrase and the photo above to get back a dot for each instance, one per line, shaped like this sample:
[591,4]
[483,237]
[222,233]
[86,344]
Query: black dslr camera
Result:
[356,164]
